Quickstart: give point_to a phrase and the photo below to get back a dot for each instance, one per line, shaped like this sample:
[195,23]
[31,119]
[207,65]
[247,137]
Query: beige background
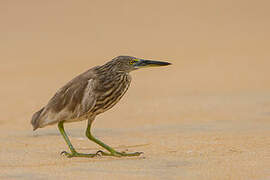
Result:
[205,117]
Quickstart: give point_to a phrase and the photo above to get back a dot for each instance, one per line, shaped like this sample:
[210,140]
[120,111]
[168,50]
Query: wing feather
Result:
[70,103]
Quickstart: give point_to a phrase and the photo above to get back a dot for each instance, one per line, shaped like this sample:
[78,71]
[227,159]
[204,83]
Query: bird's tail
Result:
[36,118]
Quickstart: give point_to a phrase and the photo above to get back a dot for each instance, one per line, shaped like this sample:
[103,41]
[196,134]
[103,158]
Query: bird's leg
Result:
[73,153]
[112,152]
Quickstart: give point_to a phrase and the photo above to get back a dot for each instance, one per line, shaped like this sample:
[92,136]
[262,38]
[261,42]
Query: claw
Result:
[65,153]
[99,153]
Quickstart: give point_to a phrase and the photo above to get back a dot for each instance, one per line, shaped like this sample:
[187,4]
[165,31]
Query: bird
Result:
[89,94]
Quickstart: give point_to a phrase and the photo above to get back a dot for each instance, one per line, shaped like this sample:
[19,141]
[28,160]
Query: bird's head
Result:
[129,63]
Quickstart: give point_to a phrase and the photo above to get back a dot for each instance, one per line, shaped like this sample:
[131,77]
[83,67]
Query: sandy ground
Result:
[204,117]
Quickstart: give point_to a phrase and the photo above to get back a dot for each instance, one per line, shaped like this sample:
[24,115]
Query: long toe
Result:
[118,154]
[108,154]
[75,154]
[130,154]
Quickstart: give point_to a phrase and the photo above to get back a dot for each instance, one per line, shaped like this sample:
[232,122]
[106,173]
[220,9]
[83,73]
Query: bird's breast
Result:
[111,92]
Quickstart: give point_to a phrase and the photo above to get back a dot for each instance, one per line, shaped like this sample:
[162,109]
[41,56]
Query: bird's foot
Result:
[118,154]
[75,154]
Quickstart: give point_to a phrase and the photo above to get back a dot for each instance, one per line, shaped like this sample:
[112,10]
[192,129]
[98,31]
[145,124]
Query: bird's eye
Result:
[132,61]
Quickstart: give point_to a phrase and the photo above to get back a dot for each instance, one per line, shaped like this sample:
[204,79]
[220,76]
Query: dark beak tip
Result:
[165,64]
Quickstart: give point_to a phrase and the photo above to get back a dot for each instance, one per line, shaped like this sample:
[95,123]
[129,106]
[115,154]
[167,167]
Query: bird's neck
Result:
[108,70]
[109,74]
[108,79]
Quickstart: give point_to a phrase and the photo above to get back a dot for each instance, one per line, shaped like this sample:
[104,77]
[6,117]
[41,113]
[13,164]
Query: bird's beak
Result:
[149,63]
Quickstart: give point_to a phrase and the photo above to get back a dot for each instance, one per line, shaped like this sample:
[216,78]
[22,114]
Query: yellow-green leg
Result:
[73,153]
[112,152]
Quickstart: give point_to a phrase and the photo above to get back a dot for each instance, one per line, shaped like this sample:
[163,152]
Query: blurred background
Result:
[216,47]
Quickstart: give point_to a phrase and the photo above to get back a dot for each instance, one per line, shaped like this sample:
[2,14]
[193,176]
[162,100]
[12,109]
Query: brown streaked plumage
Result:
[89,94]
